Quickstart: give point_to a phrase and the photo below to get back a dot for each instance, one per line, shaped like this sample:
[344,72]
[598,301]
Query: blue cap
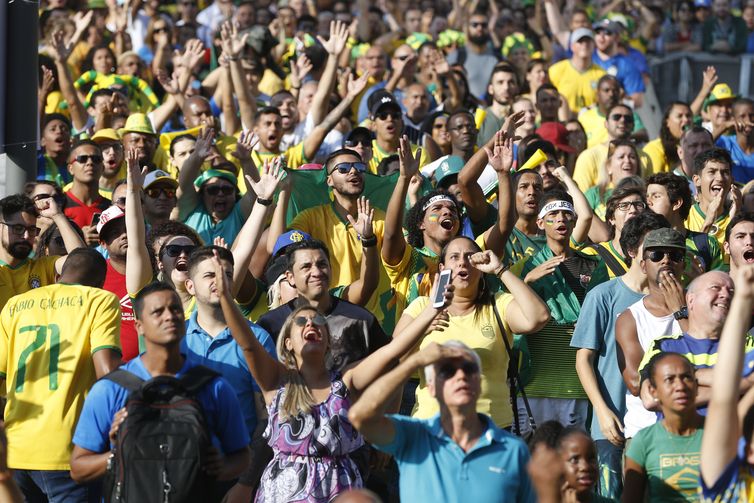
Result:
[288,238]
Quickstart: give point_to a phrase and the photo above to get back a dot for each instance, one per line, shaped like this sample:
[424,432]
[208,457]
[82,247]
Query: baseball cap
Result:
[606,24]
[110,214]
[159,176]
[580,33]
[449,167]
[213,173]
[288,238]
[557,134]
[105,135]
[356,134]
[664,238]
[379,99]
[719,93]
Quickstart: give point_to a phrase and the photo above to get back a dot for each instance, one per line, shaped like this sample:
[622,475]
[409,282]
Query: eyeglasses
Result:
[20,230]
[624,206]
[83,158]
[448,370]
[225,190]
[154,192]
[317,319]
[625,117]
[352,143]
[464,127]
[657,255]
[477,24]
[345,167]
[395,115]
[176,250]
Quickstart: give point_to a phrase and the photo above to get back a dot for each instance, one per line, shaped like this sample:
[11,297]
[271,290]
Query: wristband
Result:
[500,271]
[369,242]
[264,202]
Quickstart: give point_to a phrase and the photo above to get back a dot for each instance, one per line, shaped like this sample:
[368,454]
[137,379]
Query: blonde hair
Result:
[298,398]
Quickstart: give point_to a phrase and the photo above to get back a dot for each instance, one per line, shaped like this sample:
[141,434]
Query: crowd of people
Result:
[353,251]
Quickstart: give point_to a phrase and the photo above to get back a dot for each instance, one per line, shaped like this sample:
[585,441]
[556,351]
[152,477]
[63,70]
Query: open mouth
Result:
[447,224]
[312,335]
[181,266]
[462,274]
[749,256]
[716,189]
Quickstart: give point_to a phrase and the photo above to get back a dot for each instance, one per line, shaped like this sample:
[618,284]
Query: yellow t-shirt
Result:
[658,162]
[29,274]
[378,155]
[294,156]
[579,88]
[590,161]
[47,338]
[410,278]
[481,333]
[593,123]
[695,221]
[346,253]
[225,144]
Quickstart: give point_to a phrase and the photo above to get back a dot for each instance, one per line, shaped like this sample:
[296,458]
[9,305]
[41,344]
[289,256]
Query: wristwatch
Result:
[682,313]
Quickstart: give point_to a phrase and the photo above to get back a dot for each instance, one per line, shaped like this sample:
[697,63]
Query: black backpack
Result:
[163,442]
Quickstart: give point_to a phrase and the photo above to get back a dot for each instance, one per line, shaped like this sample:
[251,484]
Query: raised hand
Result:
[501,155]
[511,124]
[203,145]
[220,242]
[486,261]
[47,207]
[561,173]
[221,282]
[246,143]
[338,38]
[134,172]
[193,54]
[48,80]
[354,87]
[171,84]
[435,352]
[58,48]
[408,162]
[364,216]
[301,69]
[231,42]
[269,179]
[81,20]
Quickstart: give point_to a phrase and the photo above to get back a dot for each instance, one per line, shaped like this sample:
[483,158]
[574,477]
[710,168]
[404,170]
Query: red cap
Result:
[557,134]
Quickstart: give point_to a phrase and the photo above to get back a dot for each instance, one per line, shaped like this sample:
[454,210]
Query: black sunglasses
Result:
[225,190]
[657,255]
[448,370]
[625,117]
[317,319]
[154,192]
[82,158]
[346,167]
[176,250]
[364,142]
[396,115]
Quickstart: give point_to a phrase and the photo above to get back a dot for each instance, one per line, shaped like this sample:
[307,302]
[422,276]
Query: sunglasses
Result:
[657,255]
[625,117]
[352,143]
[83,158]
[176,250]
[395,115]
[345,167]
[20,230]
[160,30]
[476,24]
[154,192]
[225,190]
[317,319]
[624,206]
[448,370]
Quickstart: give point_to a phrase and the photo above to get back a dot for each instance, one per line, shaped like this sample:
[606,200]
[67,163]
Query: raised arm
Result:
[501,159]
[362,289]
[60,51]
[393,241]
[709,79]
[188,197]
[557,24]
[138,264]
[580,204]
[71,239]
[244,146]
[334,46]
[233,45]
[721,428]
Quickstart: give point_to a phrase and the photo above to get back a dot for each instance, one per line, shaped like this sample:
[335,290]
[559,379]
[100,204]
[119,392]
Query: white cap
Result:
[112,213]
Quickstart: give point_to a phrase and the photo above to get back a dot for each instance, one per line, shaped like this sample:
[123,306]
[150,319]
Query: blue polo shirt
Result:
[201,221]
[743,163]
[223,355]
[217,399]
[434,468]
[624,70]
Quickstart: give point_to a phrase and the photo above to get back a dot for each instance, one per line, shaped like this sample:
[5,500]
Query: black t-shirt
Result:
[354,332]
[577,272]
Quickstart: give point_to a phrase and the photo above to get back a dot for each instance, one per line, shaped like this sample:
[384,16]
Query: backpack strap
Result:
[702,245]
[610,261]
[124,378]
[197,377]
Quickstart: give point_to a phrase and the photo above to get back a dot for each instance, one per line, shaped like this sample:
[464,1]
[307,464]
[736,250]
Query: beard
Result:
[19,251]
[479,39]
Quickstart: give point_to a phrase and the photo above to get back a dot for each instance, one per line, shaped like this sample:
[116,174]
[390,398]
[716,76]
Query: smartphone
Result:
[95,219]
[439,300]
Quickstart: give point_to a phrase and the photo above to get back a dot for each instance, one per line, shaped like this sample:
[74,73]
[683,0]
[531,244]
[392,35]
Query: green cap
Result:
[664,238]
[719,93]
[215,173]
[451,165]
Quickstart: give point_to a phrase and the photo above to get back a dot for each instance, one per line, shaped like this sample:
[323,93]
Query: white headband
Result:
[437,199]
[556,206]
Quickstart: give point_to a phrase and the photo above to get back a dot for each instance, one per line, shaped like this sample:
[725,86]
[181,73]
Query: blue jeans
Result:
[610,462]
[55,486]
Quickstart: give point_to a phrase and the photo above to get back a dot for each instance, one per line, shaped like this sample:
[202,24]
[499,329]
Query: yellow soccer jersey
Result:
[411,277]
[579,88]
[346,252]
[590,161]
[29,274]
[593,123]
[695,221]
[378,155]
[294,156]
[47,338]
[658,162]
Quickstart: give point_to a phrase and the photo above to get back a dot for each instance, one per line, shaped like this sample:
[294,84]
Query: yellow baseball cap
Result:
[719,93]
[137,123]
[105,135]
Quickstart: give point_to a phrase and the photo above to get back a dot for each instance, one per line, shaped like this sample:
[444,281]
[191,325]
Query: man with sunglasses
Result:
[109,143]
[84,201]
[662,312]
[159,197]
[457,455]
[387,125]
[360,141]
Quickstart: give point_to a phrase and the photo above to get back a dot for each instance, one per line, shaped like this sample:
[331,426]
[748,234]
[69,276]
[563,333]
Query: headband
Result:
[437,199]
[556,206]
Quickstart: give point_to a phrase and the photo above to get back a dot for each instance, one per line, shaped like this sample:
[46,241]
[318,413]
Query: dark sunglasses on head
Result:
[364,142]
[448,370]
[396,115]
[345,167]
[82,158]
[225,190]
[176,250]
[625,117]
[317,319]
[658,255]
[154,192]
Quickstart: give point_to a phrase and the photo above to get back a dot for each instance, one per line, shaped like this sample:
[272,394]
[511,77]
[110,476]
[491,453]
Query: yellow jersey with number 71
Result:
[47,338]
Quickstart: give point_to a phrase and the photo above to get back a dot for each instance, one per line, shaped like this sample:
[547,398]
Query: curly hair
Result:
[416,214]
